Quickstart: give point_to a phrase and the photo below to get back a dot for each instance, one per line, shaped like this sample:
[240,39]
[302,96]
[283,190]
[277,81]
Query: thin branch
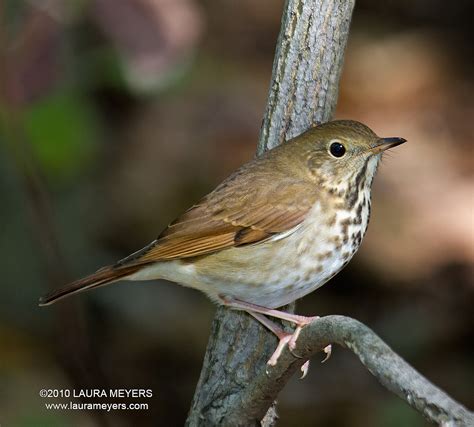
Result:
[390,370]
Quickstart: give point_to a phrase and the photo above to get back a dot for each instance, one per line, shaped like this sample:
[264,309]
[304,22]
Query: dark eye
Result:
[337,149]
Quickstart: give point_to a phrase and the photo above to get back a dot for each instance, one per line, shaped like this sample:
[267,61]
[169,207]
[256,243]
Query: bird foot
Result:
[302,322]
[290,340]
[283,340]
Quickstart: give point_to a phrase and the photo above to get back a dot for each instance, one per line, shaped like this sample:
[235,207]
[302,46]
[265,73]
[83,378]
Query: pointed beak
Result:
[383,144]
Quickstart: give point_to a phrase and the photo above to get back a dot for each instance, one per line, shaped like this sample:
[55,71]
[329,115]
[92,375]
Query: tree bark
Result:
[303,92]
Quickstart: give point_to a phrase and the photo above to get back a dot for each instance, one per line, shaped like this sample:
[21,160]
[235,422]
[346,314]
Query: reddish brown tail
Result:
[102,277]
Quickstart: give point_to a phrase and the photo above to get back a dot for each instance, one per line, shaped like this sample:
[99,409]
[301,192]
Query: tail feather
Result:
[102,277]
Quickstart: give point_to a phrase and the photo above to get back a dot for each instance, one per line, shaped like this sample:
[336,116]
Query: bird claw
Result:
[304,369]
[328,351]
[305,366]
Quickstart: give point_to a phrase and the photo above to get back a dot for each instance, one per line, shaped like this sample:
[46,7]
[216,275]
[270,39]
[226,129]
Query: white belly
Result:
[273,273]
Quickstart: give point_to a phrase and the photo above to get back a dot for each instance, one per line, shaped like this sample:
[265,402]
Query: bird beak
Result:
[383,144]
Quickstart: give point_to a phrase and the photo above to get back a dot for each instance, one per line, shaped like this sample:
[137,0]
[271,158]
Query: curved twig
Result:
[391,371]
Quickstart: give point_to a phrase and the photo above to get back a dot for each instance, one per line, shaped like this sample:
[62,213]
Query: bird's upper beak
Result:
[383,144]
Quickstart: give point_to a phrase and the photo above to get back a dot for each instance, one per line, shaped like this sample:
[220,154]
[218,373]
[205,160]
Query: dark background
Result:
[118,114]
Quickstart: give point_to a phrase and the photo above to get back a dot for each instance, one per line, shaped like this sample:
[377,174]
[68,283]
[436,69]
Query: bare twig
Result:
[390,369]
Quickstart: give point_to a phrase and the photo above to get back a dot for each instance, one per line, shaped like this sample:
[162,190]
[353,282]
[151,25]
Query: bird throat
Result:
[352,188]
[350,200]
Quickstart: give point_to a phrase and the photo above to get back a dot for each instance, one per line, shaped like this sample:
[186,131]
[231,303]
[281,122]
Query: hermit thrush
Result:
[275,230]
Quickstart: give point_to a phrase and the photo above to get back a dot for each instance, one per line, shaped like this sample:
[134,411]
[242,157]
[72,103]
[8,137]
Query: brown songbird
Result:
[275,230]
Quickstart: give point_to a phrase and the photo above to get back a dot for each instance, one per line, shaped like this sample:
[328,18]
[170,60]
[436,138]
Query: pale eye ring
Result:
[336,149]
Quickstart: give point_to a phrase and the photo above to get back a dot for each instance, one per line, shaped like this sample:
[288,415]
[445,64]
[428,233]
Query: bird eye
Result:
[337,149]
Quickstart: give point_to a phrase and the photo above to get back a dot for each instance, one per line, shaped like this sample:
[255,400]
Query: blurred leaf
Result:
[63,131]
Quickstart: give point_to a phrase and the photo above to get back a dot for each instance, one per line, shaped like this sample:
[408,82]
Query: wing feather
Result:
[237,213]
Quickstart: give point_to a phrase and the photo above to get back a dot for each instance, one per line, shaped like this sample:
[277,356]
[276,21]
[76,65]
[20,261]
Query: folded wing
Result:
[233,215]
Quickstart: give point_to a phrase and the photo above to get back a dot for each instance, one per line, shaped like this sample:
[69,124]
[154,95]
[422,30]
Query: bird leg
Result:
[237,304]
[284,338]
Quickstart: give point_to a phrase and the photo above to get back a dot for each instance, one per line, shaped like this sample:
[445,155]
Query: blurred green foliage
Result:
[63,130]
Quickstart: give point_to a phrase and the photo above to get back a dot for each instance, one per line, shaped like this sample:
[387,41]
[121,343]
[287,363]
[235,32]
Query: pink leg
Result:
[284,338]
[273,327]
[247,306]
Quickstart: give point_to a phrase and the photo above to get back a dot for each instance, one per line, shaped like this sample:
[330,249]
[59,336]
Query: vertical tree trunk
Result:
[303,92]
